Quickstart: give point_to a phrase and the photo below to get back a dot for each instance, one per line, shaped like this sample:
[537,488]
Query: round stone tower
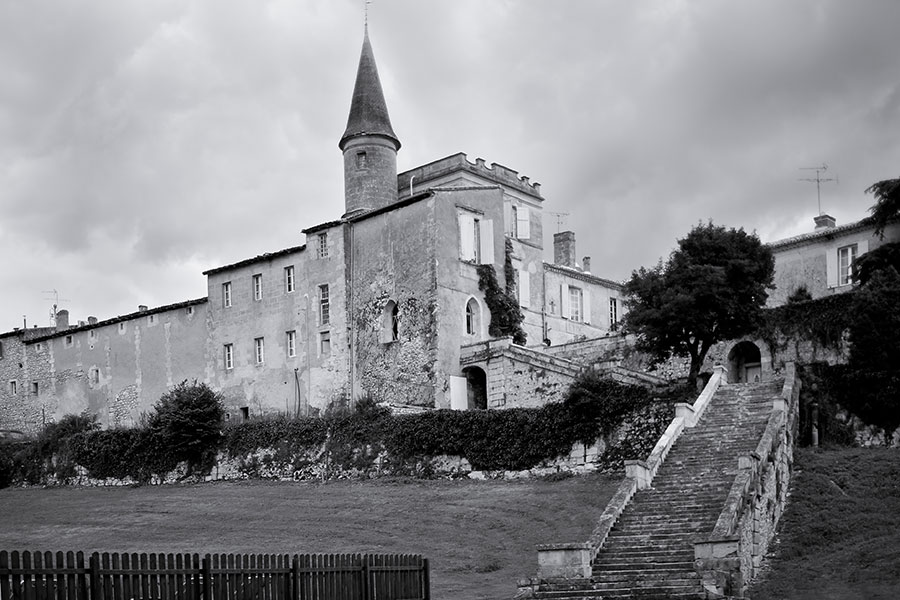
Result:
[369,143]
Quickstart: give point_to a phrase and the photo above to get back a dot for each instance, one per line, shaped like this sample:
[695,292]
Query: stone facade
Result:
[380,302]
[818,260]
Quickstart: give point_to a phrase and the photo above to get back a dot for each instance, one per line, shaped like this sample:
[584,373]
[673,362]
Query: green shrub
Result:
[186,425]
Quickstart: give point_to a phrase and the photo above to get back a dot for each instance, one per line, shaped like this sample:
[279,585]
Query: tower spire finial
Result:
[366,15]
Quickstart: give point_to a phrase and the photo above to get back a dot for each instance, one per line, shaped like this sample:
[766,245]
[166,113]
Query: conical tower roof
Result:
[368,110]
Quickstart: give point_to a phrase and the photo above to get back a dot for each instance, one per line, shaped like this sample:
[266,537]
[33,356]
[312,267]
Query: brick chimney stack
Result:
[62,320]
[824,221]
[564,248]
[586,264]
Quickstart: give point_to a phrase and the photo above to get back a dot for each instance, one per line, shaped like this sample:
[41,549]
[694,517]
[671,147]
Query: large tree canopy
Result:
[712,288]
[887,203]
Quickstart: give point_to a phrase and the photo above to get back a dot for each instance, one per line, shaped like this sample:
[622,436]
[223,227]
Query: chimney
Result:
[62,320]
[142,307]
[564,248]
[824,221]
[92,320]
[586,264]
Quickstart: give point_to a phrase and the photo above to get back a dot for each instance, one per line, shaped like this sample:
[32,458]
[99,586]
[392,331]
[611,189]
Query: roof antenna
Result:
[560,217]
[819,180]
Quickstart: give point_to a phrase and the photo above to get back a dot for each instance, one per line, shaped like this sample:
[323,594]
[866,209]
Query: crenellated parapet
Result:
[495,173]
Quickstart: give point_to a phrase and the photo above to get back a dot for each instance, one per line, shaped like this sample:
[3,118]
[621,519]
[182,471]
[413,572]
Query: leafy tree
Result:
[887,204]
[872,379]
[712,288]
[885,210]
[187,426]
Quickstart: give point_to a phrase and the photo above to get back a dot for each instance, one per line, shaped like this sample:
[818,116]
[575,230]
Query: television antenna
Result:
[560,217]
[54,296]
[819,180]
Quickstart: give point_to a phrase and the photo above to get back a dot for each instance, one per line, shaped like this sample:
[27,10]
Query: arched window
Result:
[473,317]
[390,323]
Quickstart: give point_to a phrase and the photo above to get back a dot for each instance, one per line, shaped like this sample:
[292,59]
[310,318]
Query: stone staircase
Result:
[649,552]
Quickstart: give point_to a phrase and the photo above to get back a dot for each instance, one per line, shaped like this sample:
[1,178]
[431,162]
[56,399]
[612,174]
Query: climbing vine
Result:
[506,316]
[822,321]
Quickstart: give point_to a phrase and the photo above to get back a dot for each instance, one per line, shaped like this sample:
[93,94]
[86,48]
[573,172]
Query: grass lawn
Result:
[840,534]
[479,535]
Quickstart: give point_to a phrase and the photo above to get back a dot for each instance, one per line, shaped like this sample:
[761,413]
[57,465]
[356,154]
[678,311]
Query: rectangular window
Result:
[325,343]
[13,387]
[513,221]
[260,350]
[476,239]
[39,346]
[576,307]
[35,388]
[229,356]
[322,245]
[257,287]
[289,280]
[189,310]
[69,341]
[613,313]
[292,343]
[324,305]
[121,327]
[226,294]
[93,334]
[846,256]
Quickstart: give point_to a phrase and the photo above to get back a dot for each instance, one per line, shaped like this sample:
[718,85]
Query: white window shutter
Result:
[564,301]
[831,268]
[862,247]
[466,236]
[524,289]
[586,305]
[459,399]
[523,223]
[486,230]
[507,218]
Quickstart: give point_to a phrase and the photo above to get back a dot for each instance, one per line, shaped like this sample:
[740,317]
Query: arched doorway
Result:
[744,363]
[476,387]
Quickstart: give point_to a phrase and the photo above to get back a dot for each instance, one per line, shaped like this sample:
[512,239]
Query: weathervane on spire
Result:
[366,13]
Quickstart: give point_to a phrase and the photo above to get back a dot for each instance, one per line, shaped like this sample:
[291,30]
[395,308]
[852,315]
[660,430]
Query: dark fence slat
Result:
[68,576]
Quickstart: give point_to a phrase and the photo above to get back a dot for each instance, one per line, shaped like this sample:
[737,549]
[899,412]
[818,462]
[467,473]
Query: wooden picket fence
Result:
[111,576]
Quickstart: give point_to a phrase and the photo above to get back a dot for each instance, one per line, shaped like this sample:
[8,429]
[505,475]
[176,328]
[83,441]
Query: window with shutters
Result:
[228,355]
[613,313]
[476,239]
[576,306]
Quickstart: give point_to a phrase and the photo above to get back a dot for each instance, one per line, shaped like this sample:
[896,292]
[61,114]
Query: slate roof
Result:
[368,110]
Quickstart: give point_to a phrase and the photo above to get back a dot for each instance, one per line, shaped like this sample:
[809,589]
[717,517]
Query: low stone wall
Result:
[269,463]
[732,555]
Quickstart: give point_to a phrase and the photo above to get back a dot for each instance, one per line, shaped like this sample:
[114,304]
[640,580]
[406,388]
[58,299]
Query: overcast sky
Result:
[144,142]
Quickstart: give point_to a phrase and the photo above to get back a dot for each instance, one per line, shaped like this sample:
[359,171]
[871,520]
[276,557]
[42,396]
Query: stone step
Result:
[648,567]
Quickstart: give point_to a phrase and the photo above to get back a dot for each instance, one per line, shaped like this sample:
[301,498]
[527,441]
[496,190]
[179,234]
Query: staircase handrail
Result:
[728,559]
[573,560]
[639,474]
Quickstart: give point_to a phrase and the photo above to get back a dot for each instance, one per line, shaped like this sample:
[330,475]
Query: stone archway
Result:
[476,387]
[744,363]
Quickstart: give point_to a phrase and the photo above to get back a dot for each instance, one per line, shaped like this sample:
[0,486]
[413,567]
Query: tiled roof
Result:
[114,320]
[256,259]
[583,276]
[820,234]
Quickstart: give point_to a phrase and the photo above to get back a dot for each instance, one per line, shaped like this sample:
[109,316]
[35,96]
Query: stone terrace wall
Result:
[518,376]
